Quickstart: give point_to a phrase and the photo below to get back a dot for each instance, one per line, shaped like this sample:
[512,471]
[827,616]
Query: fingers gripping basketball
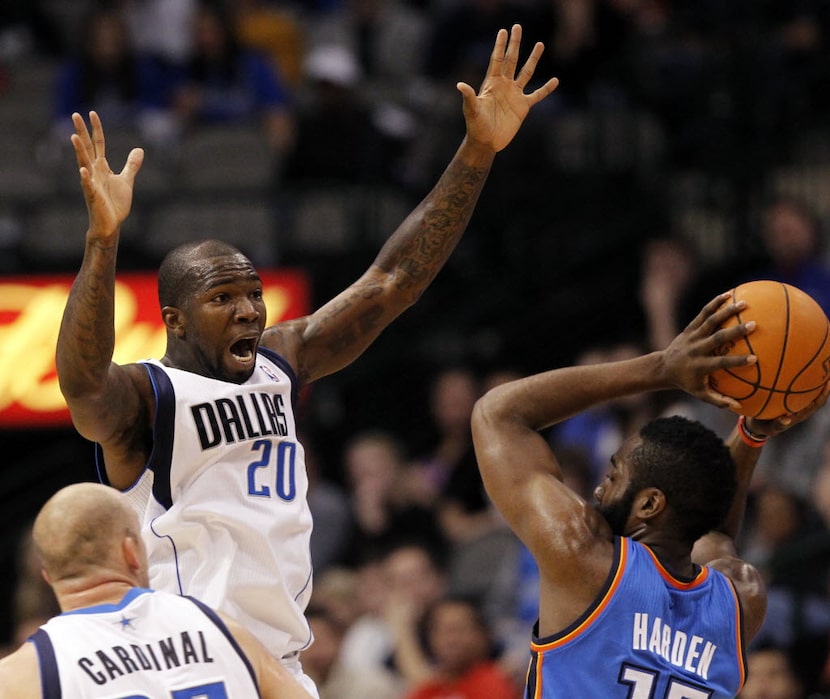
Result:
[792,343]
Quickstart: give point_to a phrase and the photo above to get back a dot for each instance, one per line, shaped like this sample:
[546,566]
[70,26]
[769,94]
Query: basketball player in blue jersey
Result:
[641,595]
[205,440]
[116,637]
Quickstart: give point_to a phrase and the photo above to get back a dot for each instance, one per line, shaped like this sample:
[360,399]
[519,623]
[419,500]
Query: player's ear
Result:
[173,320]
[130,550]
[649,503]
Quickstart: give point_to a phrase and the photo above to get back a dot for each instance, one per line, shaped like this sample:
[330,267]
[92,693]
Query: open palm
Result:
[108,195]
[494,115]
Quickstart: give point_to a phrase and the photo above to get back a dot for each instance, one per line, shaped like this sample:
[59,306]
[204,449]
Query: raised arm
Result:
[569,539]
[103,398]
[336,334]
[506,421]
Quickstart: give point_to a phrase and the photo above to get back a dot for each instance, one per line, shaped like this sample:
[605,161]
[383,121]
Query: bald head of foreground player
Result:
[89,543]
[88,540]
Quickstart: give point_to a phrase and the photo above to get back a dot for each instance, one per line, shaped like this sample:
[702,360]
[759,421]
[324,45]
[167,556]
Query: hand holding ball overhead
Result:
[792,343]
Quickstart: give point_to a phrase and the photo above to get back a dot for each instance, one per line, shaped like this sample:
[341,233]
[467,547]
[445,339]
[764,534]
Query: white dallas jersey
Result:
[151,644]
[223,499]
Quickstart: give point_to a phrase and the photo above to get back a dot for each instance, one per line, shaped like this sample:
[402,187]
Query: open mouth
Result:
[244,350]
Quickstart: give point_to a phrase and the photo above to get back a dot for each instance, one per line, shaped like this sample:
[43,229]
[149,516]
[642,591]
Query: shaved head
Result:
[80,529]
[179,270]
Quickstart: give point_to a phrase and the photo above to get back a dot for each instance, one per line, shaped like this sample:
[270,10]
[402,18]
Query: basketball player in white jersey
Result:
[116,637]
[206,439]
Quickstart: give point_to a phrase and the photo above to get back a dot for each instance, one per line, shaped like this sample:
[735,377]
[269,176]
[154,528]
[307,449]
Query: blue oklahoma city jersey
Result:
[648,636]
[151,644]
[223,499]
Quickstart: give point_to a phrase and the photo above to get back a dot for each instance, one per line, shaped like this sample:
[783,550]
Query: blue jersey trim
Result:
[50,681]
[217,620]
[161,458]
[132,594]
[283,364]
[101,469]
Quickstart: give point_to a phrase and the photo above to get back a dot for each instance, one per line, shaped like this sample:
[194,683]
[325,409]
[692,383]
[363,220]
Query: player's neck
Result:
[80,594]
[675,557]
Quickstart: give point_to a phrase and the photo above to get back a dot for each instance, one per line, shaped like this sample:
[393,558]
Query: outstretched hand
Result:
[108,195]
[494,115]
[692,356]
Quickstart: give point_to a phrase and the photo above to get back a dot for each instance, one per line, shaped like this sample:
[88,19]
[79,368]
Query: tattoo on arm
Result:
[342,338]
[410,259]
[424,241]
[87,337]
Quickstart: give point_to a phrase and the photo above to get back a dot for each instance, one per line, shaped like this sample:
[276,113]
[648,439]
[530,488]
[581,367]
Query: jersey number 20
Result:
[285,484]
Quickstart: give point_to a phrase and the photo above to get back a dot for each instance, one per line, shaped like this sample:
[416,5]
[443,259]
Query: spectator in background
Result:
[669,270]
[388,37]
[388,41]
[790,546]
[338,594]
[274,30]
[224,83]
[674,282]
[771,675]
[791,234]
[337,142]
[129,89]
[383,510]
[329,505]
[333,679]
[162,28]
[461,648]
[397,590]
[447,463]
[446,474]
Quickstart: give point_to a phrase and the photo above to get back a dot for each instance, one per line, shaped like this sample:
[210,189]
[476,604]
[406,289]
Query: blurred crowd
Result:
[685,151]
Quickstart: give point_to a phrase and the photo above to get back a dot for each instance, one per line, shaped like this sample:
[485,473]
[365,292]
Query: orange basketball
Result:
[792,342]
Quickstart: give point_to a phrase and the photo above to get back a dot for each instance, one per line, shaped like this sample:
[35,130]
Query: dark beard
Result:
[616,513]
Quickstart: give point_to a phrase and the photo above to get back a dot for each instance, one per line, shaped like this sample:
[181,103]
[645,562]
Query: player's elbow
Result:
[75,389]
[482,416]
[489,419]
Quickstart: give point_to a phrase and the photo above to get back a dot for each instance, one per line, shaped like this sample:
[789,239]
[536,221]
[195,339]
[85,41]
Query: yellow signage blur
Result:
[30,314]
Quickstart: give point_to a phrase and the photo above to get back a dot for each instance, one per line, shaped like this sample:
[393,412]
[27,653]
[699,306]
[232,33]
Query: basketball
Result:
[792,343]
